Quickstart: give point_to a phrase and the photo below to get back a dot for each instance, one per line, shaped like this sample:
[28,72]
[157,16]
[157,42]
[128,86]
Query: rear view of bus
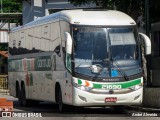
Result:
[106,59]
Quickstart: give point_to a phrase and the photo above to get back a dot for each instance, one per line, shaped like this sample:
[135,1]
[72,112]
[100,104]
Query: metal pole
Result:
[147,23]
[147,28]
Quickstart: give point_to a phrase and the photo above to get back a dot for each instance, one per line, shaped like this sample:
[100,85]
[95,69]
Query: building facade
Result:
[33,9]
[155,41]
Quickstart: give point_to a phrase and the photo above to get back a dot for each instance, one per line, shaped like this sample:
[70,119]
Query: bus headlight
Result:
[81,87]
[85,88]
[136,87]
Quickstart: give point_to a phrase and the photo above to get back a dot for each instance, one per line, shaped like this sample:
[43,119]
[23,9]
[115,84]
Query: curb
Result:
[8,96]
[144,109]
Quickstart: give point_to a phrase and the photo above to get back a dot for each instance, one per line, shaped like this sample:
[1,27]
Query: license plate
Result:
[111,99]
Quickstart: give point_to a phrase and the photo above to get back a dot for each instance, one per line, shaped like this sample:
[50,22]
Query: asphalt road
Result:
[49,111]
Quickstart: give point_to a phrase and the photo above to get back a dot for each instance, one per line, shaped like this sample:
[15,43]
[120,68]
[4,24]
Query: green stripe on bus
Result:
[123,85]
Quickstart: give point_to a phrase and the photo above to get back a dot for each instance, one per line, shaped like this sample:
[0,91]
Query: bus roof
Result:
[99,17]
[86,17]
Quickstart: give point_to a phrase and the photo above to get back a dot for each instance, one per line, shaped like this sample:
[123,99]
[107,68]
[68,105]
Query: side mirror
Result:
[147,43]
[68,43]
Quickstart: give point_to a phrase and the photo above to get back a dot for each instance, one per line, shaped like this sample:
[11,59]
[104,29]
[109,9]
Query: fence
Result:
[4,84]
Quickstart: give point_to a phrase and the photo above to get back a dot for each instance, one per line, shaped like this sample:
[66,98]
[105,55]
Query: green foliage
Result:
[11,6]
[103,3]
[154,11]
[132,7]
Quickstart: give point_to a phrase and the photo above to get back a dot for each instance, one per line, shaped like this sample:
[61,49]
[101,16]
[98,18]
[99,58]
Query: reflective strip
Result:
[120,85]
[115,85]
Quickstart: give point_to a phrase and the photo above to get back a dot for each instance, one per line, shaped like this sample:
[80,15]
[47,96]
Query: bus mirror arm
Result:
[147,43]
[69,42]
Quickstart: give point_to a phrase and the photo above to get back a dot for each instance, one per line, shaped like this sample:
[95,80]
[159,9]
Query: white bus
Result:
[79,58]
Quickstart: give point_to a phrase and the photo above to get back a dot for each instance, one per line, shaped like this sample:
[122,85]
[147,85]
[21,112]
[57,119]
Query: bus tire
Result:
[61,106]
[18,92]
[24,101]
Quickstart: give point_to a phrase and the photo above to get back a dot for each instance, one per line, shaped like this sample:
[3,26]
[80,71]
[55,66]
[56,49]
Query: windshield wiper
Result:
[120,70]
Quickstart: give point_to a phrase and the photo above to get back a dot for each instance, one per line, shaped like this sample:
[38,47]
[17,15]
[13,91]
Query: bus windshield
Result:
[90,47]
[122,44]
[96,46]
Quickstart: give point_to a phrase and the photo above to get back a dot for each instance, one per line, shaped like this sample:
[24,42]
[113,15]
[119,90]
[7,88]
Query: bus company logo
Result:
[15,114]
[112,80]
[6,114]
[44,63]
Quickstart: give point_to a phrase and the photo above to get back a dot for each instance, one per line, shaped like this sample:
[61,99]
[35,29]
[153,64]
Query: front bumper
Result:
[84,98]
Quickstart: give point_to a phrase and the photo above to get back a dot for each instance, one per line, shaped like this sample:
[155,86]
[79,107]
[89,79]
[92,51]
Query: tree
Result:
[154,11]
[11,6]
[133,8]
